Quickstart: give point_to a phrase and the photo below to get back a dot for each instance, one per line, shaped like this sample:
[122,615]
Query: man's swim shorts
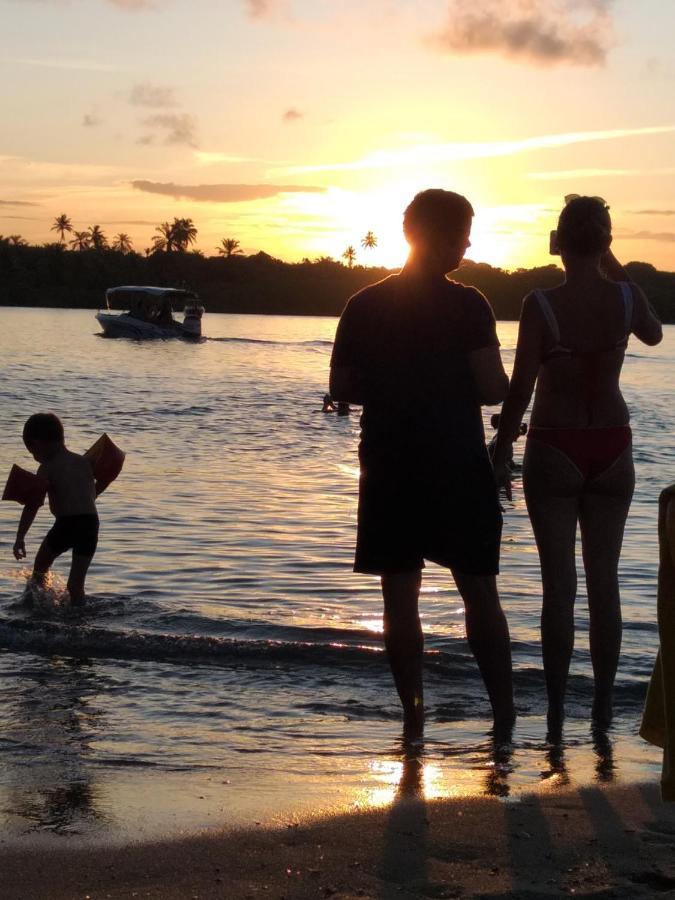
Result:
[450,517]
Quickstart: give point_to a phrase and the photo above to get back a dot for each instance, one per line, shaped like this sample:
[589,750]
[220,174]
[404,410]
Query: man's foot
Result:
[502,729]
[413,725]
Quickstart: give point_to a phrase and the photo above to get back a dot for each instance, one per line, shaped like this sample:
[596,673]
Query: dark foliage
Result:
[53,276]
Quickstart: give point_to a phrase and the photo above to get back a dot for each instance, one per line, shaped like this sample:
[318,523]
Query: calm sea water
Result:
[229,667]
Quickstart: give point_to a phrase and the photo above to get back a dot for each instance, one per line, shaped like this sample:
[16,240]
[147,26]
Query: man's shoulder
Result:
[466,292]
[372,292]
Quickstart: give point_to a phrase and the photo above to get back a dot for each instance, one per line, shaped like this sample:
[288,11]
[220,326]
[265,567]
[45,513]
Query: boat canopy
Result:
[130,296]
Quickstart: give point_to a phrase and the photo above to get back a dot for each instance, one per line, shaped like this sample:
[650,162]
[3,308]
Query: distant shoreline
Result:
[53,277]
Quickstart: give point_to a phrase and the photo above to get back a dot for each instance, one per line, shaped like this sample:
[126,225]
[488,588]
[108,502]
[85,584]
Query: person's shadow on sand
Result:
[404,856]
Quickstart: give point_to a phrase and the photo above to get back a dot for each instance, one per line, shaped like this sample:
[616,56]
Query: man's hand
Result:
[19,549]
[503,479]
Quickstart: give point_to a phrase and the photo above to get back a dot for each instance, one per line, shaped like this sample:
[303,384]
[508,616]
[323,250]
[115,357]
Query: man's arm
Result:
[346,376]
[26,520]
[346,383]
[488,373]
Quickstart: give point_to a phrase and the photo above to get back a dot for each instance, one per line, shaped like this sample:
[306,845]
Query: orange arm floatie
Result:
[25,487]
[106,461]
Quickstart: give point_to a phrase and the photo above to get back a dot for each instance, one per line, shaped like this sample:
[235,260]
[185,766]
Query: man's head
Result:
[43,435]
[437,225]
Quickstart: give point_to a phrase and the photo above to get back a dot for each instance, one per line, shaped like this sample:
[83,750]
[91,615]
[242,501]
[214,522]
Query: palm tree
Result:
[81,240]
[17,241]
[184,233]
[349,255]
[369,241]
[164,240]
[97,238]
[228,247]
[63,225]
[123,243]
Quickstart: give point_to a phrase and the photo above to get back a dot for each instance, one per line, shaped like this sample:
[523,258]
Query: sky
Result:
[295,127]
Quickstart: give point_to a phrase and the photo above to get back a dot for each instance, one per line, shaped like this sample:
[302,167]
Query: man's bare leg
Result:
[405,645]
[488,635]
[78,572]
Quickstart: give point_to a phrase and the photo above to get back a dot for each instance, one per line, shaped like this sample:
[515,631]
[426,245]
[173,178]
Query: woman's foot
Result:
[554,723]
[602,713]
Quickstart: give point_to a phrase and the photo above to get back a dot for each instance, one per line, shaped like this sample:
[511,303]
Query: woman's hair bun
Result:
[585,227]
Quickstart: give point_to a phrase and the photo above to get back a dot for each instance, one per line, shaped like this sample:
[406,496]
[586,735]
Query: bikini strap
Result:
[548,314]
[628,302]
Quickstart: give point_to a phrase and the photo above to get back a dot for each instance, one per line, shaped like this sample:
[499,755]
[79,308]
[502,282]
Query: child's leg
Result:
[44,560]
[78,572]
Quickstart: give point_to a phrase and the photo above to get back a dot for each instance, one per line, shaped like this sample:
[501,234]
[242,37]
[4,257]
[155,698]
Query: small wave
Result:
[268,343]
[85,640]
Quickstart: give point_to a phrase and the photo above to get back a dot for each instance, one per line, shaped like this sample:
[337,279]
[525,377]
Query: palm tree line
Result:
[171,237]
[368,242]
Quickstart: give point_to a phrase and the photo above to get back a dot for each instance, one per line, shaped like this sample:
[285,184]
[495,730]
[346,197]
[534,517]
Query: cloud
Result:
[222,193]
[174,128]
[565,174]
[292,115]
[153,95]
[127,5]
[666,237]
[18,203]
[257,9]
[90,121]
[654,212]
[76,65]
[539,32]
[429,154]
[134,5]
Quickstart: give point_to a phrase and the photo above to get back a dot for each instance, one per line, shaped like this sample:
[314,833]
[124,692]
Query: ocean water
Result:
[228,668]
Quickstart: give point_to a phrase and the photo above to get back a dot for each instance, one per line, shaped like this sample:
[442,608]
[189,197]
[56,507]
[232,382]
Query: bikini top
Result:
[560,350]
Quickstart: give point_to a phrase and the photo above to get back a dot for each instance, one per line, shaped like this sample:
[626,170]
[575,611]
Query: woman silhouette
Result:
[578,464]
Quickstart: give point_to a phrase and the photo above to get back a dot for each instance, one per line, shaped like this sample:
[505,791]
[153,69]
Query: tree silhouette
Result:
[369,241]
[184,233]
[228,247]
[17,241]
[63,225]
[81,240]
[123,243]
[97,239]
[164,239]
[177,235]
[349,255]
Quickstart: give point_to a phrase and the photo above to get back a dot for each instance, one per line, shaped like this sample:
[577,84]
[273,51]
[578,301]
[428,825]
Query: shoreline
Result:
[599,841]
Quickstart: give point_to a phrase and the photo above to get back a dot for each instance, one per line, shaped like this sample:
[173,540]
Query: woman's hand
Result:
[503,477]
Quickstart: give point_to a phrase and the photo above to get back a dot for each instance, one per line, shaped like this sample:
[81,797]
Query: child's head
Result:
[42,435]
[494,420]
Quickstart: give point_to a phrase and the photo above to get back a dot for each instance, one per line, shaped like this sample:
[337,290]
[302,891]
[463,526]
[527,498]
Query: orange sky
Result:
[296,127]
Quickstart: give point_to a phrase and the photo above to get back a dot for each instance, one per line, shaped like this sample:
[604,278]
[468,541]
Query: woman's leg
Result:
[602,517]
[552,486]
[404,642]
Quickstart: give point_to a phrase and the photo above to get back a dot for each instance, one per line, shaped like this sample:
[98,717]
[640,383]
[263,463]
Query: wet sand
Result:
[596,841]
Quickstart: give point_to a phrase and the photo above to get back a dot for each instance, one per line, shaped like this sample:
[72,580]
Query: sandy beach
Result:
[597,841]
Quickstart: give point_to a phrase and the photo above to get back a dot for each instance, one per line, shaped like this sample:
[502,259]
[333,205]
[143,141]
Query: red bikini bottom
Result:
[591,450]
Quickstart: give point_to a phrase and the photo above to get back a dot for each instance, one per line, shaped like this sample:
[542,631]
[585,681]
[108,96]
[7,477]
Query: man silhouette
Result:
[421,354]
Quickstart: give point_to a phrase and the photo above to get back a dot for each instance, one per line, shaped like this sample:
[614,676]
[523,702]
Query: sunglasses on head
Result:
[600,200]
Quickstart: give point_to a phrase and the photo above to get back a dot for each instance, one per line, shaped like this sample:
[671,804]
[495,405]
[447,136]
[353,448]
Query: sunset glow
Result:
[297,127]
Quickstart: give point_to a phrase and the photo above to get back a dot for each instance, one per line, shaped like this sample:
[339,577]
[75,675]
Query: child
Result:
[72,491]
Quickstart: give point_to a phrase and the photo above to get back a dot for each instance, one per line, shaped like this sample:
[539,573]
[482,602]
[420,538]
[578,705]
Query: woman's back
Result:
[584,332]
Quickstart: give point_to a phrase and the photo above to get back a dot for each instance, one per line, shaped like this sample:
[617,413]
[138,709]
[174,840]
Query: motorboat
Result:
[147,313]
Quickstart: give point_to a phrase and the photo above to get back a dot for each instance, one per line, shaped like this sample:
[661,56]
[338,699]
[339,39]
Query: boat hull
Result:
[126,326]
